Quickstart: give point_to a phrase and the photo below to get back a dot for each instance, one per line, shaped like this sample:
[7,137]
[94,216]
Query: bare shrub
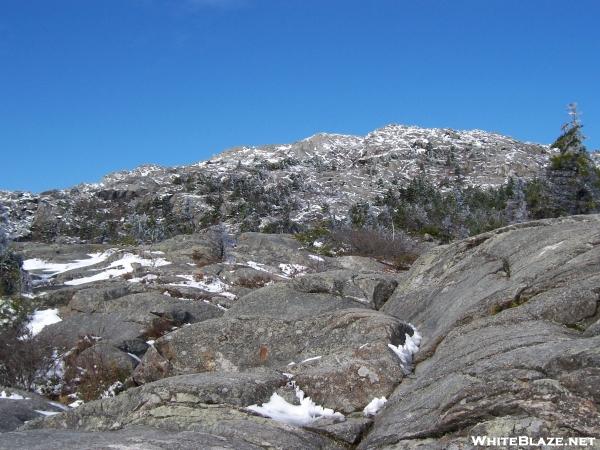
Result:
[159,327]
[198,276]
[98,376]
[398,250]
[24,359]
[90,374]
[202,258]
[254,282]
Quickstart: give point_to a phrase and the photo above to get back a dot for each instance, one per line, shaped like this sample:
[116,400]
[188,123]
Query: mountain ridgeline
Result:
[441,183]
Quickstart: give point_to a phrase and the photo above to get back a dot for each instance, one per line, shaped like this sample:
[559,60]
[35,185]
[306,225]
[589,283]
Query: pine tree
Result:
[571,139]
[573,179]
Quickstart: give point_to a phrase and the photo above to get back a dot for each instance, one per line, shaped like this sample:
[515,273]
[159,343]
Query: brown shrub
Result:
[24,359]
[98,375]
[159,327]
[91,373]
[202,259]
[255,282]
[198,276]
[398,250]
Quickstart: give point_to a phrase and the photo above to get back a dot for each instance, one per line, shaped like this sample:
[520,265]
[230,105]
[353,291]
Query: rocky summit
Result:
[207,335]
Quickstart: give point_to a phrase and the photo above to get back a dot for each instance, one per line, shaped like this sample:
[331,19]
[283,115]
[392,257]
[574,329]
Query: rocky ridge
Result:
[259,188]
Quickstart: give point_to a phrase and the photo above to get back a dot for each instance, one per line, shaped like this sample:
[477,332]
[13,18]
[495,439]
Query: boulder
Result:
[270,250]
[142,308]
[373,288]
[111,327]
[91,299]
[284,301]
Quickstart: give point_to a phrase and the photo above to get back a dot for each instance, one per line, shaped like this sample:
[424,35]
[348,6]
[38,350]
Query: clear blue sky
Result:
[89,87]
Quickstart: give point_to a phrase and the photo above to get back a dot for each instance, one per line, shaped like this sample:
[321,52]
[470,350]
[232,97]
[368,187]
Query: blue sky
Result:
[89,87]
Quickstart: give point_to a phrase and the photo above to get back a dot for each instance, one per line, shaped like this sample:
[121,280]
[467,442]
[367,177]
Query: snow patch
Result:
[292,270]
[550,248]
[257,266]
[135,357]
[374,406]
[144,279]
[314,358]
[46,413]
[277,408]
[113,390]
[42,318]
[120,267]
[209,284]
[53,269]
[13,396]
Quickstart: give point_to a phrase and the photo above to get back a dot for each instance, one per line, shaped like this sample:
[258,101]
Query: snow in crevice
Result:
[550,248]
[46,413]
[314,358]
[407,350]
[374,406]
[277,408]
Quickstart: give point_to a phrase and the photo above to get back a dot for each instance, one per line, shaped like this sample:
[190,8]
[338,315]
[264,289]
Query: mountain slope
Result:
[253,187]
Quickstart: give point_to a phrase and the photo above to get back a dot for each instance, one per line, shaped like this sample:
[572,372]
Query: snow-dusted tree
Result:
[573,180]
[571,139]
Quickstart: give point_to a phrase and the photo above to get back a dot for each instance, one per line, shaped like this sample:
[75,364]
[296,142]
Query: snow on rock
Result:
[257,266]
[292,270]
[406,351]
[135,357]
[277,408]
[12,396]
[46,413]
[120,267]
[374,406]
[314,358]
[42,318]
[209,284]
[144,279]
[53,269]
[113,390]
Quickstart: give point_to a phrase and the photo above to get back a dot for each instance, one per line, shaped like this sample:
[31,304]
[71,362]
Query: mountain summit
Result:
[252,187]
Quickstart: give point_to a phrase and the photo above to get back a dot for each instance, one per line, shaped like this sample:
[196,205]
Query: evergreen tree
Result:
[573,179]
